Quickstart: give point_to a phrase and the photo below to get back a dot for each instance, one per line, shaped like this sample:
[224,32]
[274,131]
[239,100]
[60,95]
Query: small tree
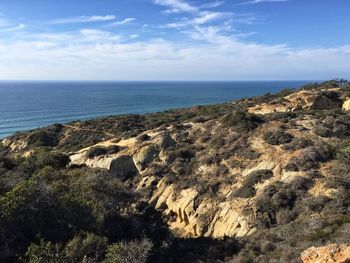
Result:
[129,252]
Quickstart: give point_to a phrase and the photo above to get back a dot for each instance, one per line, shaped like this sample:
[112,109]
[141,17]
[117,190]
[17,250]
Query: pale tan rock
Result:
[346,105]
[145,156]
[16,145]
[123,167]
[304,99]
[333,253]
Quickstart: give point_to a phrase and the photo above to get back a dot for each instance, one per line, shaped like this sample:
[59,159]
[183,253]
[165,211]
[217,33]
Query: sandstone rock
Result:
[123,167]
[300,100]
[333,253]
[165,141]
[346,105]
[145,156]
[203,217]
[17,145]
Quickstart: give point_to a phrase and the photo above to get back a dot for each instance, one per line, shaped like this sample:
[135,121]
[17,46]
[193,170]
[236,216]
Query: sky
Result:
[174,39]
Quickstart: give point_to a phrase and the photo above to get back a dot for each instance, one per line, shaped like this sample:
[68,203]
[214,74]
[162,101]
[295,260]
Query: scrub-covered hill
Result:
[256,180]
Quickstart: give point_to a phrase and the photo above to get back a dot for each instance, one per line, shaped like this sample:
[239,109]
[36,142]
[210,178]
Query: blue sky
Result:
[174,39]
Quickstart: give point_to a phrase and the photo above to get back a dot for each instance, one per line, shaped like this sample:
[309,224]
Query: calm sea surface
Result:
[28,105]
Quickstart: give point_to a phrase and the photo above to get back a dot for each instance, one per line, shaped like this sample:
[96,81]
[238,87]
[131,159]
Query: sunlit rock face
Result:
[329,254]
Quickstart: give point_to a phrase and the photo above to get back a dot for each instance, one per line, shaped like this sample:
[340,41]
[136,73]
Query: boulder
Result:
[123,167]
[145,156]
[333,253]
[346,105]
[165,141]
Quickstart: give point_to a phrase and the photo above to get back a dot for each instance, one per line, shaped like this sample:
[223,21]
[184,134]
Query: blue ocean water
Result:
[28,105]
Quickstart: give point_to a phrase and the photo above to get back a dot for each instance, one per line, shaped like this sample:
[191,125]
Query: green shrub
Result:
[285,92]
[241,121]
[247,189]
[343,155]
[129,252]
[42,138]
[85,246]
[44,252]
[277,137]
[55,160]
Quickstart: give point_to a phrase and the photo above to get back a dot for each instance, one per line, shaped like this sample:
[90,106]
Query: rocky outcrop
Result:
[192,215]
[145,156]
[346,105]
[329,254]
[15,145]
[310,100]
[134,157]
[123,167]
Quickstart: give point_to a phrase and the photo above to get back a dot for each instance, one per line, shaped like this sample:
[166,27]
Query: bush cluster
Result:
[247,189]
[310,158]
[277,137]
[241,121]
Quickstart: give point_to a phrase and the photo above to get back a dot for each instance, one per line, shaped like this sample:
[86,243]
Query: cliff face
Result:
[273,168]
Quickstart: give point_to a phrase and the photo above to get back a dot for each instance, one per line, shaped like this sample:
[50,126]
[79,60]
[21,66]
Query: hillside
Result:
[260,179]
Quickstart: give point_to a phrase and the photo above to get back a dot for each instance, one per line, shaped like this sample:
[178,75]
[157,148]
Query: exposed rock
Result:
[206,217]
[16,145]
[333,253]
[145,156]
[165,140]
[310,100]
[123,167]
[346,105]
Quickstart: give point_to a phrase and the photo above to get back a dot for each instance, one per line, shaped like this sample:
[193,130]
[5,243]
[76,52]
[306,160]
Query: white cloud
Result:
[95,54]
[212,4]
[263,1]
[172,11]
[124,21]
[178,5]
[13,28]
[211,49]
[83,19]
[201,19]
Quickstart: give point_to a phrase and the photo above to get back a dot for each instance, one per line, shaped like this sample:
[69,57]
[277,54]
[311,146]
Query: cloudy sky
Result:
[174,39]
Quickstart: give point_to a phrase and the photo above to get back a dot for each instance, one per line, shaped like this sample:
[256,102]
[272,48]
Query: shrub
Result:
[6,163]
[309,158]
[98,151]
[85,246]
[275,202]
[42,138]
[343,155]
[44,252]
[55,160]
[277,137]
[247,189]
[322,131]
[241,121]
[129,252]
[297,144]
[285,92]
[143,137]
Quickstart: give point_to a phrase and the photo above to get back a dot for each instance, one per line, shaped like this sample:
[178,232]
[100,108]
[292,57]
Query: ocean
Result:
[29,105]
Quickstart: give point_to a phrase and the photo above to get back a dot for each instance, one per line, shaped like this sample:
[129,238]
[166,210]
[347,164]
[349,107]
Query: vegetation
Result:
[296,195]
